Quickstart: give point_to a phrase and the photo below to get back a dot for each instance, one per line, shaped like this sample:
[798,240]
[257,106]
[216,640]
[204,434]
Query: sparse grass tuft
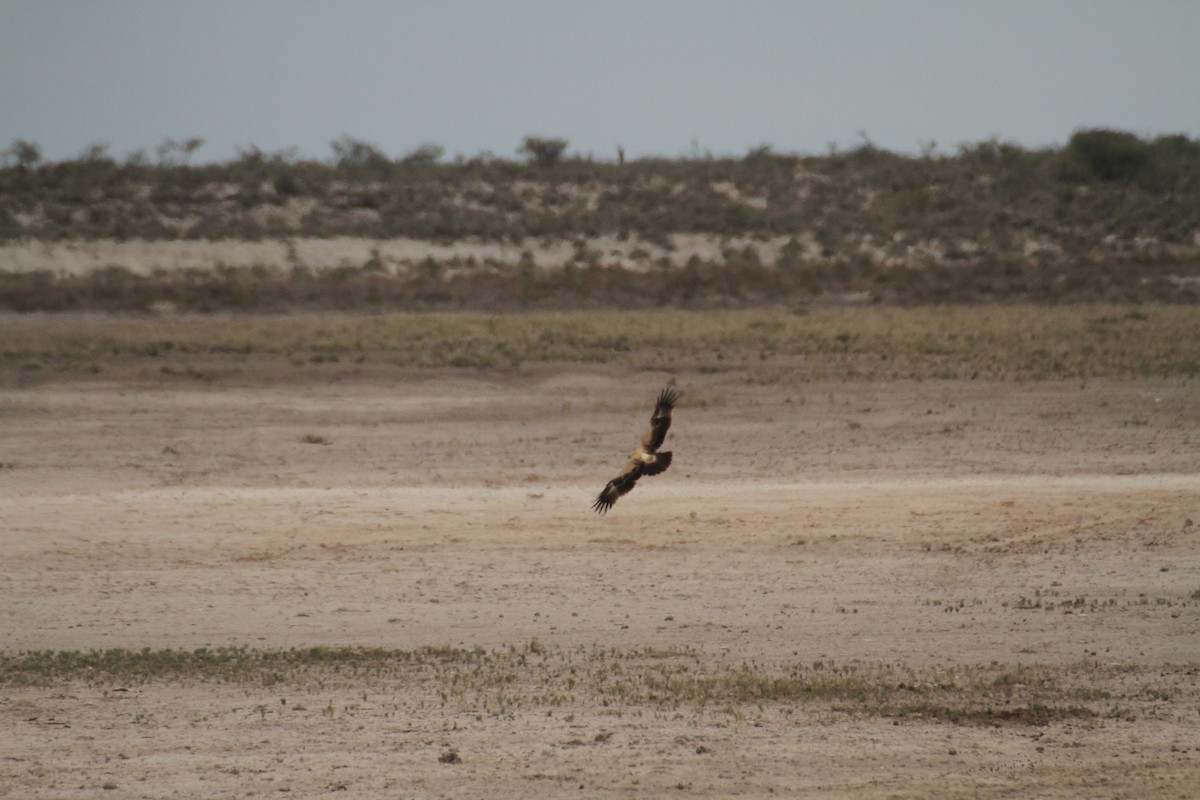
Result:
[312,438]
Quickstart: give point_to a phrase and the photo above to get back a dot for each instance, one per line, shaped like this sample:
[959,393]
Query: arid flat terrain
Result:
[1021,558]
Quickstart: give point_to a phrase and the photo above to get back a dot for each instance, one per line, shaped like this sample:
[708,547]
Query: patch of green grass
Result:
[1008,342]
[970,694]
[536,676]
[226,664]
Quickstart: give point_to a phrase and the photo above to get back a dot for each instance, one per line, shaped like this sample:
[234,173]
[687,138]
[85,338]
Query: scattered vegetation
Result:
[1008,342]
[500,682]
[733,281]
[1108,217]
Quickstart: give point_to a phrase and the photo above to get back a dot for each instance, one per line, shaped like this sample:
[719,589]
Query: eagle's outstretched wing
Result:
[646,460]
[619,485]
[660,423]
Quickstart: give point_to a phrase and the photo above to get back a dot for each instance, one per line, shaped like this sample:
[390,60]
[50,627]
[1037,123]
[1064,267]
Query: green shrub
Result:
[1109,155]
[352,153]
[24,154]
[543,152]
[424,156]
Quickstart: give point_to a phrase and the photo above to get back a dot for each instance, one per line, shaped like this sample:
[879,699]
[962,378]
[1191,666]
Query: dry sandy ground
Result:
[915,523]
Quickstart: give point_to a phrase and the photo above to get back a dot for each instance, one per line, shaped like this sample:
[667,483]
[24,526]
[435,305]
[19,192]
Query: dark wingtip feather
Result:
[602,505]
[667,397]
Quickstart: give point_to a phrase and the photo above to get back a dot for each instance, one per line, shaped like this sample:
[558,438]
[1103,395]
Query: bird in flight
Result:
[645,460]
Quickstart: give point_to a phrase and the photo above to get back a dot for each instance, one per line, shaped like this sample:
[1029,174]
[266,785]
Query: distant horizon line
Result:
[178,152]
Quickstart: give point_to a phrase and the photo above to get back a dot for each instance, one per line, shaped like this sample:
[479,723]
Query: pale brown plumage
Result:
[645,460]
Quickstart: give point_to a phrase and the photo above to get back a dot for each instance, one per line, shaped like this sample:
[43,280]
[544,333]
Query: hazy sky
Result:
[660,77]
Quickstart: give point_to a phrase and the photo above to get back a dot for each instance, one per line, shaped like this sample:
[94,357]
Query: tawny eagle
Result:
[645,460]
